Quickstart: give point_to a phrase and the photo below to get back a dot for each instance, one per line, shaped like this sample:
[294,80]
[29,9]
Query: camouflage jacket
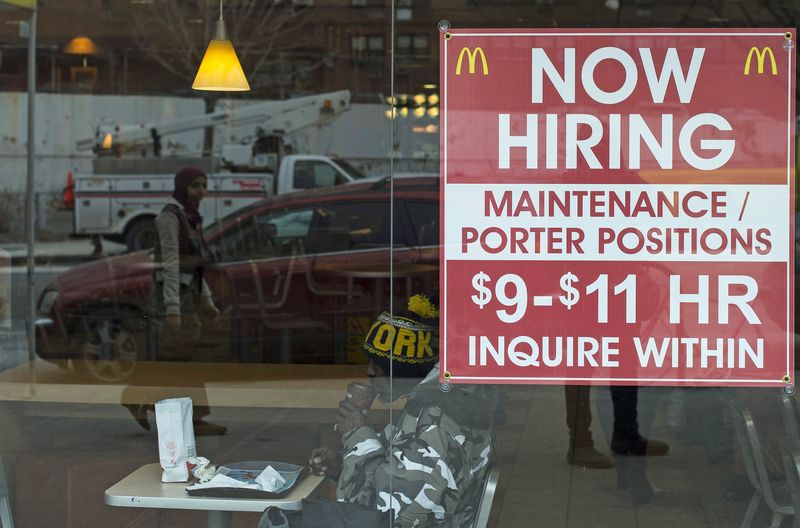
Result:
[430,466]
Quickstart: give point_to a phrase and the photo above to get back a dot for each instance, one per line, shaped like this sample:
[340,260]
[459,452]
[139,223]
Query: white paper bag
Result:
[175,438]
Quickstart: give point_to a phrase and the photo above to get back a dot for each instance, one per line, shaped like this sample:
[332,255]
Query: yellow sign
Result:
[471,56]
[30,4]
[760,56]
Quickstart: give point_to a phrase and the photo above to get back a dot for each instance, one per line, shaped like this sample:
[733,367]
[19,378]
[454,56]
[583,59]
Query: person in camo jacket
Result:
[428,468]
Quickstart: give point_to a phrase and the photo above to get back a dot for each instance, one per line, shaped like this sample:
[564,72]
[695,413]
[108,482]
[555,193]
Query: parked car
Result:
[296,277]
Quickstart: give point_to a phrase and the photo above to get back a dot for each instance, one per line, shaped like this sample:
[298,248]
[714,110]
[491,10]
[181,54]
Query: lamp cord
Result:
[220,9]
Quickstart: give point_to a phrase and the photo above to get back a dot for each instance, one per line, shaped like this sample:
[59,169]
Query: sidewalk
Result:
[62,252]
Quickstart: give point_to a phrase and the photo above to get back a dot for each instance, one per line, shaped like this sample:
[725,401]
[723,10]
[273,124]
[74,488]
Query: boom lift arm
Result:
[274,117]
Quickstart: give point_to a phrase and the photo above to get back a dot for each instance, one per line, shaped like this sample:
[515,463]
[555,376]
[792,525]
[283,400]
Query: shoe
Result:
[202,428]
[639,446]
[588,456]
[139,413]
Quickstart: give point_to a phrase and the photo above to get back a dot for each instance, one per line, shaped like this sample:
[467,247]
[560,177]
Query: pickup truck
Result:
[121,205]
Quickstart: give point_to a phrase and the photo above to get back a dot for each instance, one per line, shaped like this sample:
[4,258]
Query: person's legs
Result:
[169,345]
[138,409]
[626,439]
[191,331]
[581,451]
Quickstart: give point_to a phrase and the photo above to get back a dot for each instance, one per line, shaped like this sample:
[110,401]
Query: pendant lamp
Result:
[81,45]
[220,69]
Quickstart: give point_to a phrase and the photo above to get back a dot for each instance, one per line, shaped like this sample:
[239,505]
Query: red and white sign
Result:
[618,206]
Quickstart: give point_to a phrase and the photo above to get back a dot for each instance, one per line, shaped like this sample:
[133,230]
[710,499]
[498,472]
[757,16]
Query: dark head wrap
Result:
[183,178]
[409,343]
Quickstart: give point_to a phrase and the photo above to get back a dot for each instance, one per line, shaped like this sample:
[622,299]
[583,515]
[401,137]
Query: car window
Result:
[350,169]
[350,227]
[268,235]
[309,174]
[424,219]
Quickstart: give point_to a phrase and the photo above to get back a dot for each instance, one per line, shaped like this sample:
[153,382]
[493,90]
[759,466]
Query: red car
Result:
[296,277]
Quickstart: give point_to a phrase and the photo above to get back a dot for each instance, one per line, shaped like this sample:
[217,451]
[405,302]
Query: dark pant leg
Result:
[626,425]
[579,414]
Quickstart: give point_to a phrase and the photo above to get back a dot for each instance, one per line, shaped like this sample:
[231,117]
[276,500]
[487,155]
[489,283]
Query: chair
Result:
[6,521]
[791,465]
[318,289]
[327,290]
[790,417]
[285,322]
[277,299]
[752,454]
[487,497]
[281,288]
[790,451]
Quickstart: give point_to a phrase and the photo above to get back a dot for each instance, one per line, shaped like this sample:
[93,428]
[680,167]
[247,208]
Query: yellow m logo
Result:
[761,54]
[471,56]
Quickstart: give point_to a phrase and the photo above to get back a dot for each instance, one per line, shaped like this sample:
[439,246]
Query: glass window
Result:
[417,44]
[403,42]
[314,260]
[351,170]
[375,43]
[267,235]
[349,227]
[311,174]
[424,220]
[358,43]
[365,3]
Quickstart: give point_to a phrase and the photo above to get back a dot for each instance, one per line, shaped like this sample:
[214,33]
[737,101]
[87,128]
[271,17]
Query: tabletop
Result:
[256,385]
[143,489]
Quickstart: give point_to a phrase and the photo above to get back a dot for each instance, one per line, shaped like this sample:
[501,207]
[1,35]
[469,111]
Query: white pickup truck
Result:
[121,198]
[122,207]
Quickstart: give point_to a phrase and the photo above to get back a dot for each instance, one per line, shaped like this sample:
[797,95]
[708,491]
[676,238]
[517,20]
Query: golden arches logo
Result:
[471,56]
[760,54]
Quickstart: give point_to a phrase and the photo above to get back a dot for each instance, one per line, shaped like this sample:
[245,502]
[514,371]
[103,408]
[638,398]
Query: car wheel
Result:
[141,235]
[112,344]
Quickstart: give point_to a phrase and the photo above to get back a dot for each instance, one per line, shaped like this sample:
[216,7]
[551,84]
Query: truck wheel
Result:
[111,344]
[142,234]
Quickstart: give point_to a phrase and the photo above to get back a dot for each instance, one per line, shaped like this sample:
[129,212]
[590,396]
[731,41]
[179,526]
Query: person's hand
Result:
[210,312]
[349,417]
[326,462]
[173,322]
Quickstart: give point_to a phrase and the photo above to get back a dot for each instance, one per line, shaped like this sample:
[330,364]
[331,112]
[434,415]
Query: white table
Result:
[143,489]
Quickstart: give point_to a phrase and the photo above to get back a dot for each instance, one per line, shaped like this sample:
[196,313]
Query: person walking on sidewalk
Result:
[180,296]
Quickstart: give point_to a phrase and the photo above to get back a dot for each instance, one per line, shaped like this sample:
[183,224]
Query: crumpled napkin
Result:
[184,465]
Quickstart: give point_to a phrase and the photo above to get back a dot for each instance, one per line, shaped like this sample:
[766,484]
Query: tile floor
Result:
[538,488]
[60,459]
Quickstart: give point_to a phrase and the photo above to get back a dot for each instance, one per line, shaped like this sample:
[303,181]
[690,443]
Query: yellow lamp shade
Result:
[81,46]
[220,69]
